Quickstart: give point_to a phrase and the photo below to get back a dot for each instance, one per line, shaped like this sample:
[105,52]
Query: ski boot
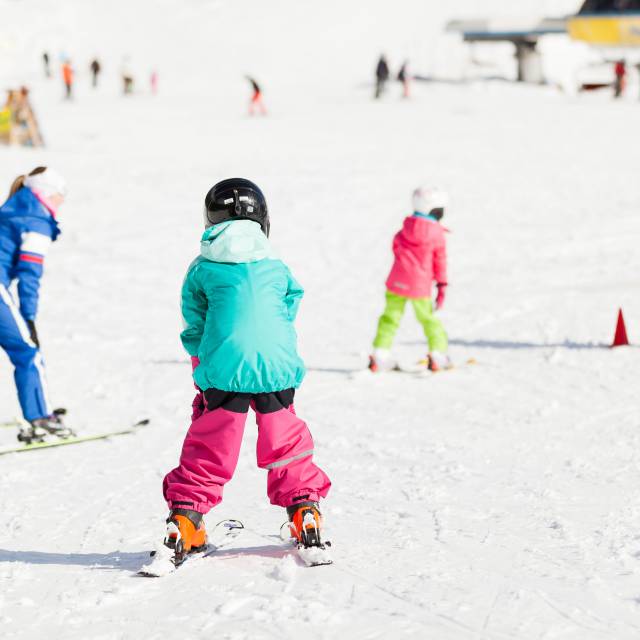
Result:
[38,429]
[381,360]
[305,524]
[185,534]
[438,361]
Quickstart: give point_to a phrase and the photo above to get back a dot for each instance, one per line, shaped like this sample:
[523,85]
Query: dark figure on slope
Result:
[404,77]
[95,69]
[47,68]
[382,75]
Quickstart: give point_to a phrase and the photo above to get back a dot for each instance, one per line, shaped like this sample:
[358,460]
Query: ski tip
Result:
[316,556]
[230,524]
[161,563]
[147,574]
[142,423]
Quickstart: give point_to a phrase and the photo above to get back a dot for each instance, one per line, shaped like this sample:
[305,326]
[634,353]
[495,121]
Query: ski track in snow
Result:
[497,501]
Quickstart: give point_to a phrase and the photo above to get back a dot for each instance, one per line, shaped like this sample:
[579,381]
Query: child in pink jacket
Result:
[420,261]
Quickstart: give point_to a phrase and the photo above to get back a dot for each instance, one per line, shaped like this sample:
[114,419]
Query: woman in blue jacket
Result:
[28,226]
[239,303]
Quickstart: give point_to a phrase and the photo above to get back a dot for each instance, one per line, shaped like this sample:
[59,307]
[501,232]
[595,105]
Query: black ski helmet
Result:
[236,199]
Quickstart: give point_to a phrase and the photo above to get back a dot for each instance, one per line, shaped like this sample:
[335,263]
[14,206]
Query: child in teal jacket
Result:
[248,343]
[239,303]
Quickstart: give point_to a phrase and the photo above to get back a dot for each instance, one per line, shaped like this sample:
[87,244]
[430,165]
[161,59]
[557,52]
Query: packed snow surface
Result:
[499,500]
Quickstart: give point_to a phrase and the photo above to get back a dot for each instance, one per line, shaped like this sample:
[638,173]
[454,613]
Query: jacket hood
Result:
[414,228]
[235,241]
[25,203]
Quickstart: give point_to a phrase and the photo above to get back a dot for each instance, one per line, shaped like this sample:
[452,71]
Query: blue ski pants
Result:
[26,358]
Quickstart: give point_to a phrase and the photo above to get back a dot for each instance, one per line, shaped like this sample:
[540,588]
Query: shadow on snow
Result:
[513,344]
[125,561]
[131,561]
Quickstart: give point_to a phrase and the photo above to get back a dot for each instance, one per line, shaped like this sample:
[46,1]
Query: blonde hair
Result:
[18,183]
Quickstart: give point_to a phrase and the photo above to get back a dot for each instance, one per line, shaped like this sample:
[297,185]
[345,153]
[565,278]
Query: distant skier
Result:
[127,76]
[239,303]
[27,227]
[404,77]
[256,98]
[620,71]
[47,67]
[95,67]
[420,260]
[67,78]
[382,75]
[154,82]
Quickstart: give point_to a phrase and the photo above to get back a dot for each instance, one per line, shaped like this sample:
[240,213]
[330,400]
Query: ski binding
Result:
[165,560]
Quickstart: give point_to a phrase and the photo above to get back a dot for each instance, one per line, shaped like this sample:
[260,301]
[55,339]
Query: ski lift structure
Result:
[524,37]
[612,27]
[607,23]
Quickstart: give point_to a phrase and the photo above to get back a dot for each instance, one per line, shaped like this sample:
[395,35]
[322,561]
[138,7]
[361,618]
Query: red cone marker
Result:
[620,339]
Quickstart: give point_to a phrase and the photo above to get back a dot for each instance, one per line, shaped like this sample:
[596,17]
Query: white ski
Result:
[315,556]
[58,441]
[311,556]
[162,557]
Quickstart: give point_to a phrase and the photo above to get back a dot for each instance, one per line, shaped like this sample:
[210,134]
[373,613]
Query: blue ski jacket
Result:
[27,228]
[239,303]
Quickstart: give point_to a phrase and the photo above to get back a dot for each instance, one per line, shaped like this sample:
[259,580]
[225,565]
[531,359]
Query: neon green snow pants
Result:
[423,308]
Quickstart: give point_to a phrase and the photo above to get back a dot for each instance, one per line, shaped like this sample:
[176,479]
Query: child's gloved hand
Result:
[198,406]
[442,288]
[33,334]
[195,361]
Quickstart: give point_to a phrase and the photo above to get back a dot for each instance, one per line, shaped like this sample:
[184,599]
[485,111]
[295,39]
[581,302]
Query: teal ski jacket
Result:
[239,303]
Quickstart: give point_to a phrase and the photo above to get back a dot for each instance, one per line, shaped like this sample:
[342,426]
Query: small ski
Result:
[420,368]
[162,558]
[313,556]
[56,441]
[468,362]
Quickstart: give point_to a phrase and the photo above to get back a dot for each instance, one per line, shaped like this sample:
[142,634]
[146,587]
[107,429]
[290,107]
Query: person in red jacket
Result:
[621,76]
[420,260]
[256,98]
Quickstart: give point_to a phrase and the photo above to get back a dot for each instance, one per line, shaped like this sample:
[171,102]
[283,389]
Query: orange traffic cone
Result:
[620,339]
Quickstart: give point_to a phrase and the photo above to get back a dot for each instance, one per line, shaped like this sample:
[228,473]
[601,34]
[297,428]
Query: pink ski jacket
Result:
[420,258]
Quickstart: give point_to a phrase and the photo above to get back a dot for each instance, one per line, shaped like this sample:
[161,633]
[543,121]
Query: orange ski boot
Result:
[185,533]
[305,523]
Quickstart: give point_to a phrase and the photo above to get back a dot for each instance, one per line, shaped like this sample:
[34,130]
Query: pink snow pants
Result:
[212,446]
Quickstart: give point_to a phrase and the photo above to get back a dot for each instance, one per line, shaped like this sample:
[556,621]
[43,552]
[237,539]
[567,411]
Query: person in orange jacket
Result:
[67,77]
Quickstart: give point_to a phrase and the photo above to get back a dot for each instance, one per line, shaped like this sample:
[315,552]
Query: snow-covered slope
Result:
[496,501]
